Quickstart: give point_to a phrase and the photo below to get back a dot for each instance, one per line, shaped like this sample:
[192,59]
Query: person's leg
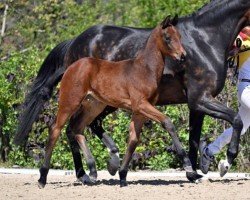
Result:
[244,112]
[221,141]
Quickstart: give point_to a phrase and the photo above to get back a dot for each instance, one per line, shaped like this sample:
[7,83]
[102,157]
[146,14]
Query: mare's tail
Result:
[41,91]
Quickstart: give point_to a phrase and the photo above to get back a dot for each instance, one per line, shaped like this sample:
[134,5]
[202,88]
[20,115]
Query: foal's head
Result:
[169,41]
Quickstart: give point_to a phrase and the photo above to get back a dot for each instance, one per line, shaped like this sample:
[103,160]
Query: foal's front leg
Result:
[146,109]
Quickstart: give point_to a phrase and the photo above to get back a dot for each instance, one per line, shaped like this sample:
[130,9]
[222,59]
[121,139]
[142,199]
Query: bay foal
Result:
[130,84]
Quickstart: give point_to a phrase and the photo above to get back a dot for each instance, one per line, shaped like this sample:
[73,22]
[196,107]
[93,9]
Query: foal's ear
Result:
[166,22]
[174,21]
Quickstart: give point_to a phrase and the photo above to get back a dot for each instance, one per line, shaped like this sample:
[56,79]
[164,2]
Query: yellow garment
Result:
[243,56]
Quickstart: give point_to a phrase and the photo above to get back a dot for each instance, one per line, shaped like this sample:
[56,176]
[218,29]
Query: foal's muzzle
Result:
[182,58]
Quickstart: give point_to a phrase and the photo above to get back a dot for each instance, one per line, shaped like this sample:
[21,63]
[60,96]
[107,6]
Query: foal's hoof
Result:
[113,164]
[123,183]
[85,180]
[41,185]
[194,177]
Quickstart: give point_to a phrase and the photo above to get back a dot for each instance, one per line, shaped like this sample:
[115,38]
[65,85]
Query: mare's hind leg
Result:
[96,127]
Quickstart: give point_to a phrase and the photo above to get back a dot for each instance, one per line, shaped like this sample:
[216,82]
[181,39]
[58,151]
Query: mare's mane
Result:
[212,11]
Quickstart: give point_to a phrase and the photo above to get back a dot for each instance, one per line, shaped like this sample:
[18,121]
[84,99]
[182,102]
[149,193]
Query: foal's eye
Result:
[168,39]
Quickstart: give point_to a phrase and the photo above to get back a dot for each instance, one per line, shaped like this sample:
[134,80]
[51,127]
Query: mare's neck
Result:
[151,57]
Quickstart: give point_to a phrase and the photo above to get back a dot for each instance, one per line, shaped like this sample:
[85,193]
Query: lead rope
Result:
[236,71]
[233,62]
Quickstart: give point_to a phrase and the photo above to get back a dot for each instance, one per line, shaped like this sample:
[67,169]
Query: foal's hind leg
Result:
[53,137]
[88,156]
[67,106]
[89,110]
[76,126]
[136,124]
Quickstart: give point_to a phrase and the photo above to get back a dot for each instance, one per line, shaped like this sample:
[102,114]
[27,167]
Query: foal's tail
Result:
[41,91]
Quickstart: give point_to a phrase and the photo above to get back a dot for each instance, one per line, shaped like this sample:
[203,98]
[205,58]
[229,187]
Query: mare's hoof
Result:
[113,164]
[194,177]
[123,183]
[86,180]
[41,185]
[223,167]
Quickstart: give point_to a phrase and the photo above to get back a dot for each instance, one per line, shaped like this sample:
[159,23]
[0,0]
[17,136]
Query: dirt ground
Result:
[24,186]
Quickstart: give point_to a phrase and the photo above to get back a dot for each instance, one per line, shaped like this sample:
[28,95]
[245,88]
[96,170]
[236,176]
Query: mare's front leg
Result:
[195,125]
[209,105]
[96,127]
[136,124]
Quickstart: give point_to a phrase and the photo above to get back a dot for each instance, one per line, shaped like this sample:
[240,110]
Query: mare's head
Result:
[169,39]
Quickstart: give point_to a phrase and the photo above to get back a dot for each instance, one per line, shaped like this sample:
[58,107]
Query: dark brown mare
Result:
[207,36]
[131,84]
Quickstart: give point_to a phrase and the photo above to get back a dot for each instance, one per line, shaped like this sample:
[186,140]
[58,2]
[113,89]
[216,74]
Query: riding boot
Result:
[206,157]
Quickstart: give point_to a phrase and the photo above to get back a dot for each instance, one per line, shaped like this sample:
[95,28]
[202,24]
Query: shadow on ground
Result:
[157,182]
